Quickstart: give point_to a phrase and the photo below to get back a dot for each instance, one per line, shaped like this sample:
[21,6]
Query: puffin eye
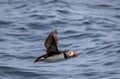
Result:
[70,53]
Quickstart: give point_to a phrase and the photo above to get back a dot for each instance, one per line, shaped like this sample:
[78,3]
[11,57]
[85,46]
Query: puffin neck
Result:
[65,56]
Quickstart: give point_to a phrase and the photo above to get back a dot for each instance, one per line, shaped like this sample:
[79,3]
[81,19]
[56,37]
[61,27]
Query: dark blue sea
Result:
[89,27]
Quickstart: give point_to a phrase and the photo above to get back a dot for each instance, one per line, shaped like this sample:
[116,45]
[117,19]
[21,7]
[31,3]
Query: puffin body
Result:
[52,58]
[52,52]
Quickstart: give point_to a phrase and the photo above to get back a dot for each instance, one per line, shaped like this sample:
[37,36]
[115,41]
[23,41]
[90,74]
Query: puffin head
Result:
[71,54]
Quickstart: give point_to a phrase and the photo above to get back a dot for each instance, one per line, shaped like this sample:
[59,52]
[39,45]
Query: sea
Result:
[89,27]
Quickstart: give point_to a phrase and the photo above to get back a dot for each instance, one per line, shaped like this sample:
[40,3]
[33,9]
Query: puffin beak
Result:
[75,54]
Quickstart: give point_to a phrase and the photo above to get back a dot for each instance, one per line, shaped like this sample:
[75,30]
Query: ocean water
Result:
[89,27]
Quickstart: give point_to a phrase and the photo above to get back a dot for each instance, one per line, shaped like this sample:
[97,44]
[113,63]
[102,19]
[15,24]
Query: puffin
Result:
[52,52]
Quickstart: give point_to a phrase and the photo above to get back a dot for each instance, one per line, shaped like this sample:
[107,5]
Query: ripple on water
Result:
[5,23]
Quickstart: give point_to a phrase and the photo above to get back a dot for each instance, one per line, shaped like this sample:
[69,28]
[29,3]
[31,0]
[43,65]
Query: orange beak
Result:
[75,54]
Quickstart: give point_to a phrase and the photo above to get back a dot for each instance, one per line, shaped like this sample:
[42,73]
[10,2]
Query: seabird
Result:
[52,51]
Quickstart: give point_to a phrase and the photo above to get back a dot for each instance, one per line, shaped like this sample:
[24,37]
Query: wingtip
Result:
[56,31]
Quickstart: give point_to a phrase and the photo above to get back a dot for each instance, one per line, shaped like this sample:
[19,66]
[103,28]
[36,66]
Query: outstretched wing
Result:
[51,43]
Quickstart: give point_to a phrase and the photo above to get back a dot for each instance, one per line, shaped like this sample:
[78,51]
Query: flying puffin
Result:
[52,51]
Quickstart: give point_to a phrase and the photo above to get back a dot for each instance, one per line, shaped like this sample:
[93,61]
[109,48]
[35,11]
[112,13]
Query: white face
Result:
[70,53]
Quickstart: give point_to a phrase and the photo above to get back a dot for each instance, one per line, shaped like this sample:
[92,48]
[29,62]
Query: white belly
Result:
[55,58]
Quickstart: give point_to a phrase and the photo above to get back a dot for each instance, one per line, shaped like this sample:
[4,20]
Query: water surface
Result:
[89,27]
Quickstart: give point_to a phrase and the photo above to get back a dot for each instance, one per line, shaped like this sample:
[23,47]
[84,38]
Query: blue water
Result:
[89,27]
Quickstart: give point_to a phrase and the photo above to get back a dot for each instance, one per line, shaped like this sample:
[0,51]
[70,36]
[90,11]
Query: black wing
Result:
[51,44]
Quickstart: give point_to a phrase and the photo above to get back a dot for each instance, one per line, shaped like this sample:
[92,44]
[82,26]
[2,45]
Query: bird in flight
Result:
[52,52]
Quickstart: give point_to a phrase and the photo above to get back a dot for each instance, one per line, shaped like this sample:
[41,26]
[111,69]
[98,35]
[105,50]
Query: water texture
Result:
[89,27]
